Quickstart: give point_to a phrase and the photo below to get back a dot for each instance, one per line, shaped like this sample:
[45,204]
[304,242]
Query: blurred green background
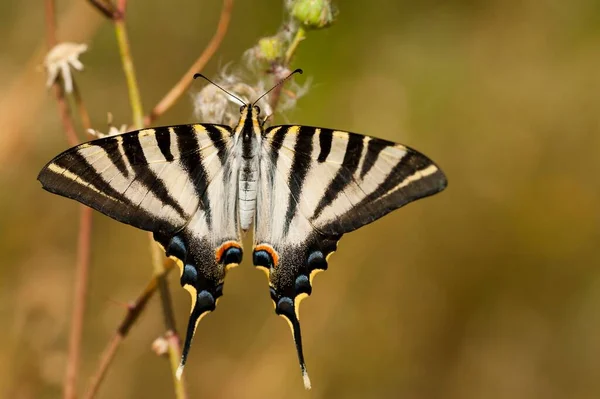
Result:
[490,289]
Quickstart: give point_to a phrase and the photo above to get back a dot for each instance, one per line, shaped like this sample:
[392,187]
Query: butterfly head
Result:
[252,107]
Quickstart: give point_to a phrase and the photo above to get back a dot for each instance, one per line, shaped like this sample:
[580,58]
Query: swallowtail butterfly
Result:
[199,187]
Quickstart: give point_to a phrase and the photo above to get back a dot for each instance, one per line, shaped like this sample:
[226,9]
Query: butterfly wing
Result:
[316,185]
[173,181]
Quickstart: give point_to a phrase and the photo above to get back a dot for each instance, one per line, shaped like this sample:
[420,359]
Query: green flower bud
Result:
[313,14]
[270,48]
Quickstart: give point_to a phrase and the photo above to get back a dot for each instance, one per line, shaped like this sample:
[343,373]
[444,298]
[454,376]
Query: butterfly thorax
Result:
[249,132]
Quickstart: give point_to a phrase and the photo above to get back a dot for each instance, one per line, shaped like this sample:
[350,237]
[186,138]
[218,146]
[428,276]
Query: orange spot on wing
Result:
[270,250]
[224,247]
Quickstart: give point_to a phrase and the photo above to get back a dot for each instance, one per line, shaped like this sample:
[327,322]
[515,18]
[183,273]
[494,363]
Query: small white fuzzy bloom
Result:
[160,346]
[213,105]
[60,59]
[112,130]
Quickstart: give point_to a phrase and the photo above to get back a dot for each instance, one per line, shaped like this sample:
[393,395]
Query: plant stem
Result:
[106,8]
[186,80]
[157,264]
[65,115]
[83,113]
[298,37]
[169,318]
[132,87]
[284,66]
[84,235]
[133,313]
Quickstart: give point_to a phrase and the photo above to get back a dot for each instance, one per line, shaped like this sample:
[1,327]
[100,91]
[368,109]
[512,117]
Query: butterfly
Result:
[199,187]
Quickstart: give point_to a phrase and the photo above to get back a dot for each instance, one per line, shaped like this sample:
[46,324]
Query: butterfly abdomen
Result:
[248,179]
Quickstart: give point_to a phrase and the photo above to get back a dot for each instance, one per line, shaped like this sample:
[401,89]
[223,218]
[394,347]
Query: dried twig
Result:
[126,59]
[136,107]
[79,299]
[85,228]
[186,80]
[84,116]
[133,313]
[289,54]
[106,8]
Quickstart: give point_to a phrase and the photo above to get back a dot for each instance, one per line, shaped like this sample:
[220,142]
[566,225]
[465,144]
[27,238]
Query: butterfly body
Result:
[199,187]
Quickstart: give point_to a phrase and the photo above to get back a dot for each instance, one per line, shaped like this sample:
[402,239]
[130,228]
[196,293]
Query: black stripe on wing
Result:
[163,139]
[298,172]
[344,175]
[325,140]
[195,169]
[374,147]
[150,180]
[414,176]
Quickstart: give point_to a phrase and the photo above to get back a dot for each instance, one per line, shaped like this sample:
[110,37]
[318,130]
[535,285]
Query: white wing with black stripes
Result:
[178,182]
[198,187]
[316,185]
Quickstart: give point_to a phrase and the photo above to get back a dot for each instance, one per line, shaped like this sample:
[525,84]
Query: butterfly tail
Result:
[285,308]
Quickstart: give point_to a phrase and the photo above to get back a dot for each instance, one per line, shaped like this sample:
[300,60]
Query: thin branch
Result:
[63,107]
[169,318]
[50,23]
[85,228]
[65,113]
[157,264]
[83,113]
[298,37]
[186,80]
[79,299]
[163,288]
[106,8]
[133,313]
[132,86]
[284,67]
[105,361]
[122,7]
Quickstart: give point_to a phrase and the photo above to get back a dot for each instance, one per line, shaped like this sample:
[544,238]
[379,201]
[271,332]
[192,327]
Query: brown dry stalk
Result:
[84,116]
[186,80]
[133,313]
[79,300]
[85,229]
[106,8]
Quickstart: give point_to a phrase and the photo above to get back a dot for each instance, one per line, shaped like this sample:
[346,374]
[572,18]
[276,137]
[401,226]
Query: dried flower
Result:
[160,346]
[211,104]
[60,59]
[112,130]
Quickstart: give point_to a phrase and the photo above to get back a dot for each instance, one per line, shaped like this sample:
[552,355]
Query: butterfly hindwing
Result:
[316,185]
[177,182]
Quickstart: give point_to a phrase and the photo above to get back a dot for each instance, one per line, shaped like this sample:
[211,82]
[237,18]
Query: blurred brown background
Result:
[488,290]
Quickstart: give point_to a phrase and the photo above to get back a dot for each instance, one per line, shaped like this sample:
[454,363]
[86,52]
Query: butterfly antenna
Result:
[199,75]
[279,83]
[286,309]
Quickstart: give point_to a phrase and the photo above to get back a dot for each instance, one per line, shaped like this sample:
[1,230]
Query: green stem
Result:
[132,87]
[300,35]
[157,264]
